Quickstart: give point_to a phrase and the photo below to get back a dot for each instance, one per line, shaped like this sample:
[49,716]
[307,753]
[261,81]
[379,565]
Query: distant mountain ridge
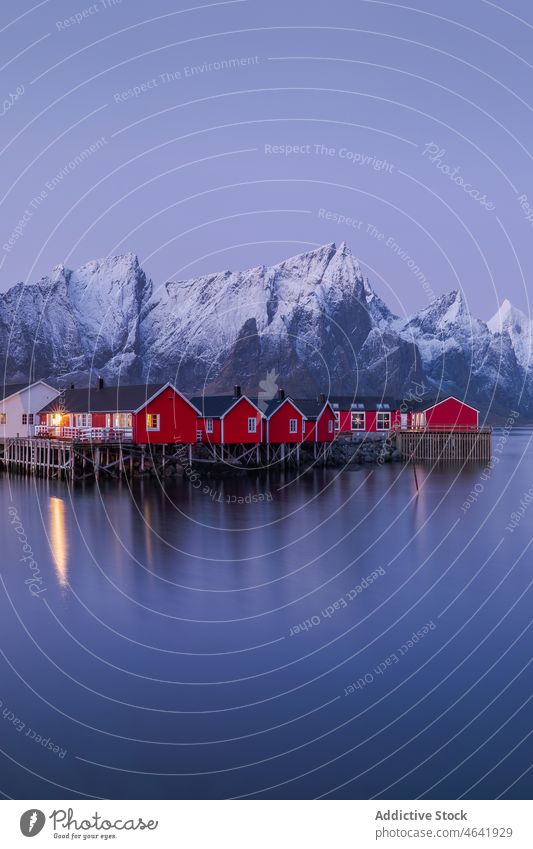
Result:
[313,321]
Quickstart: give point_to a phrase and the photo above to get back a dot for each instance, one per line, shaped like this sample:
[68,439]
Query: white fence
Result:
[85,434]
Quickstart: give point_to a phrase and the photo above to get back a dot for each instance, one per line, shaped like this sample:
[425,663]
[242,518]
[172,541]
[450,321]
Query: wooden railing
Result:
[85,434]
[455,428]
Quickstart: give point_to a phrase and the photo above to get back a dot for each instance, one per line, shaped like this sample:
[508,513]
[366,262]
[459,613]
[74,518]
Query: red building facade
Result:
[160,414]
[229,419]
[147,413]
[285,423]
[448,414]
[366,414]
[167,417]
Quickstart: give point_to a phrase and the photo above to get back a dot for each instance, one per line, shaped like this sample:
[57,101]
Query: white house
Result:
[19,405]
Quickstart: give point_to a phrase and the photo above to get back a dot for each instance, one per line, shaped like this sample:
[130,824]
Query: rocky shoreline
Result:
[364,449]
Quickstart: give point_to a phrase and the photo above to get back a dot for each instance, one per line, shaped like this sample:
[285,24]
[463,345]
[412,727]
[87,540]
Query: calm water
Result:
[154,646]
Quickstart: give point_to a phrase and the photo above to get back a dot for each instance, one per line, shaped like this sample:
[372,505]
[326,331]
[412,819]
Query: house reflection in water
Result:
[58,539]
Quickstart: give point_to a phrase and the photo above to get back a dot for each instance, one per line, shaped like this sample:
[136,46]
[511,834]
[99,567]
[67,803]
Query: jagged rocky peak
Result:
[113,269]
[519,327]
[107,273]
[507,317]
[441,313]
[325,263]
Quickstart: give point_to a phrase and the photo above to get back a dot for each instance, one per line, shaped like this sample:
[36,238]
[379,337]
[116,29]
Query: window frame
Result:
[151,417]
[123,420]
[3,418]
[209,425]
[293,425]
[383,413]
[84,420]
[362,415]
[330,426]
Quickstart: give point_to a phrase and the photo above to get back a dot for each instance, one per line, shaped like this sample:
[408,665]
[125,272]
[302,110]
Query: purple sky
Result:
[390,107]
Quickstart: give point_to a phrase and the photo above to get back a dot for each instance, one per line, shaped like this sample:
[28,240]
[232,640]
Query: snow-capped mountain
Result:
[462,355]
[73,321]
[519,329]
[313,320]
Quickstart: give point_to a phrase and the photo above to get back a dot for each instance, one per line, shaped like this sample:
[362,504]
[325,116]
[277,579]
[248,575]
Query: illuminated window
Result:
[293,425]
[382,421]
[122,420]
[330,426]
[152,421]
[358,421]
[3,418]
[337,421]
[209,425]
[252,425]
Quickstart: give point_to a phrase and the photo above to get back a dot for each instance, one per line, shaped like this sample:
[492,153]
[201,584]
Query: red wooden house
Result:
[366,414]
[285,422]
[145,413]
[319,425]
[447,414]
[228,419]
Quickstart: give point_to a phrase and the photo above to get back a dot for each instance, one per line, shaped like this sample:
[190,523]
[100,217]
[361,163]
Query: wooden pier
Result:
[69,460]
[75,461]
[445,445]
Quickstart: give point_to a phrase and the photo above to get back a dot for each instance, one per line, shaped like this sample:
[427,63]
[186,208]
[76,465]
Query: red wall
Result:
[236,423]
[451,413]
[278,424]
[99,420]
[210,438]
[370,421]
[323,434]
[177,419]
[310,428]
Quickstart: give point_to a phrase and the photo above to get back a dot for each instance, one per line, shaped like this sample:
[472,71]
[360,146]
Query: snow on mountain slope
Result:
[459,352]
[72,320]
[519,328]
[312,319]
[311,309]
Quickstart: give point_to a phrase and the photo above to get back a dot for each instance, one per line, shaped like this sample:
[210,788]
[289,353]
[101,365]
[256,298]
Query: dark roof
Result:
[270,407]
[310,407]
[118,399]
[213,406]
[420,404]
[364,402]
[9,389]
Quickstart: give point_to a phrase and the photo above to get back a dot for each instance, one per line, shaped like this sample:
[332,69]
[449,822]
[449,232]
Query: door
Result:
[403,421]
